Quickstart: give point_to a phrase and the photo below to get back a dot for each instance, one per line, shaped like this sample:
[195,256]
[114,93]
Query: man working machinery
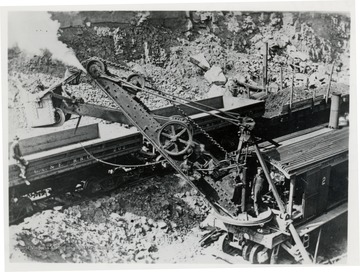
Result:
[21,162]
[258,189]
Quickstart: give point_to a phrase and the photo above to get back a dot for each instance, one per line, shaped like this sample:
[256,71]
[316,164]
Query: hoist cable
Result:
[119,165]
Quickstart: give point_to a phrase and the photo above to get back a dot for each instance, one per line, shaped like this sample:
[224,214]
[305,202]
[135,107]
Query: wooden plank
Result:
[58,139]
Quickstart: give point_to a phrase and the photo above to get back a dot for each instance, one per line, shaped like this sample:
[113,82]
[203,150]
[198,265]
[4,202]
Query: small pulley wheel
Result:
[175,138]
[60,117]
[248,122]
[95,68]
[136,80]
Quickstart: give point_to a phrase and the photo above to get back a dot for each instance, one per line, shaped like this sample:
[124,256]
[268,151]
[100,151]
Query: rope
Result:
[119,165]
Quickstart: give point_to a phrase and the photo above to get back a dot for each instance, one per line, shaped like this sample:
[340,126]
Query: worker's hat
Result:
[16,137]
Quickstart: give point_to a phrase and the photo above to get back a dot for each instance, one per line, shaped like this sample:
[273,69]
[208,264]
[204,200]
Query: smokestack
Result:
[334,111]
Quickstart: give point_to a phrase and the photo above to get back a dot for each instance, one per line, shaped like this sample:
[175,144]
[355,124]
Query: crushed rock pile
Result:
[274,102]
[130,226]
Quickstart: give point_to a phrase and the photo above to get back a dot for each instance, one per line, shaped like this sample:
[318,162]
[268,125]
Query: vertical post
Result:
[265,67]
[317,246]
[334,111]
[291,195]
[329,85]
[292,90]
[281,78]
[243,191]
[314,95]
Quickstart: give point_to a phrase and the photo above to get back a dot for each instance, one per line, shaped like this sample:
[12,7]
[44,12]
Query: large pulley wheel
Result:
[95,68]
[175,138]
[183,120]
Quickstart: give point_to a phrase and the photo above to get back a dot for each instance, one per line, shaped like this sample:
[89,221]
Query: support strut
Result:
[292,229]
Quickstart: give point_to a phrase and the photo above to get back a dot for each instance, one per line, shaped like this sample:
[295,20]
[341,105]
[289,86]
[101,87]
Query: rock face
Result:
[321,35]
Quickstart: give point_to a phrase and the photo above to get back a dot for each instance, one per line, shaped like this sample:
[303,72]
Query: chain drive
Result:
[203,131]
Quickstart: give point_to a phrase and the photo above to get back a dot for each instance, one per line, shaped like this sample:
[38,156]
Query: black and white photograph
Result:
[166,135]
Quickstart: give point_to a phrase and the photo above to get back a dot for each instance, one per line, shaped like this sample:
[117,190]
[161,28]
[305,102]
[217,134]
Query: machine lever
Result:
[77,124]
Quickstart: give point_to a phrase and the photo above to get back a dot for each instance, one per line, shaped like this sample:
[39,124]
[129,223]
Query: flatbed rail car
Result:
[120,142]
[310,169]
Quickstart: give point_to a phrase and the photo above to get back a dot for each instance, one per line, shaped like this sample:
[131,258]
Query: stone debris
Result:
[162,225]
[215,75]
[129,226]
[57,208]
[200,61]
[215,90]
[317,79]
[21,243]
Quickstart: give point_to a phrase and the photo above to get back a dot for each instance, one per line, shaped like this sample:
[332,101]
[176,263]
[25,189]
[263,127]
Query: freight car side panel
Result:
[59,160]
[38,143]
